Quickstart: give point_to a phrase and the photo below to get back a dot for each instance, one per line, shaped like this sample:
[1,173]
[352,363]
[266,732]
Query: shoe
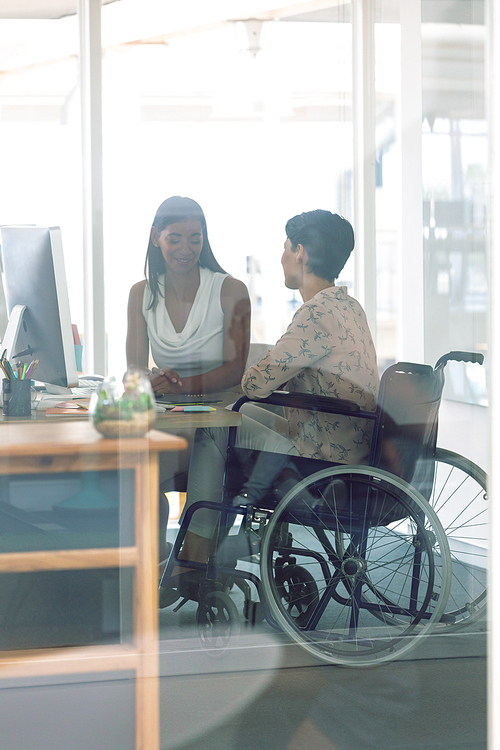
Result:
[241,499]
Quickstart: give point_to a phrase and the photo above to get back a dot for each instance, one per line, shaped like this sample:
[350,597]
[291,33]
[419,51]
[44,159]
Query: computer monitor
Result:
[36,295]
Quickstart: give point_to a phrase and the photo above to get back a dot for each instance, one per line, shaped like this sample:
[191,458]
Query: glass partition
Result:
[40,137]
[254,121]
[253,118]
[455,165]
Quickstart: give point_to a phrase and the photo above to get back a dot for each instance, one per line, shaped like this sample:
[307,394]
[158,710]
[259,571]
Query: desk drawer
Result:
[60,608]
[67,510]
[50,464]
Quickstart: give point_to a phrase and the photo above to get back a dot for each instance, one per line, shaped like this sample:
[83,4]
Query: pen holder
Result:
[16,395]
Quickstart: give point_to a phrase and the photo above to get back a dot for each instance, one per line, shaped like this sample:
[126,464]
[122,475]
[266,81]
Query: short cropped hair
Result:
[328,239]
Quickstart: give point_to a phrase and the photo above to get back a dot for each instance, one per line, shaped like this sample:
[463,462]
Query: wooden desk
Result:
[44,447]
[164,421]
[219,418]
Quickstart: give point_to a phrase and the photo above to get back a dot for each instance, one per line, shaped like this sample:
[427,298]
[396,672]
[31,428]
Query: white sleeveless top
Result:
[198,347]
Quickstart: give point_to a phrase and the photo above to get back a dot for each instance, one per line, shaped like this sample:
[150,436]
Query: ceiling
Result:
[452,37]
[49,9]
[433,11]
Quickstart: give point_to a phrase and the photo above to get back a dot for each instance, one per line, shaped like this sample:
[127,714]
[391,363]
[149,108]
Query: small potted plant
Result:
[123,409]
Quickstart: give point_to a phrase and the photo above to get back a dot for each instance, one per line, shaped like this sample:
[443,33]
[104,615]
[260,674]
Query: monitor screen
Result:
[34,276]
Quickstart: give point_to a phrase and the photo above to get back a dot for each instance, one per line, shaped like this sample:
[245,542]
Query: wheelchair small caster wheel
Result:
[217,621]
[298,592]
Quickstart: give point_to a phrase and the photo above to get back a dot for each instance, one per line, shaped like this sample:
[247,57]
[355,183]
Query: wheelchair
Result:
[356,563]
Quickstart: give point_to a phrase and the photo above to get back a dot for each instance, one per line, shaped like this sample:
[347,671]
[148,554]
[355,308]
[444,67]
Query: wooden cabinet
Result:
[41,449]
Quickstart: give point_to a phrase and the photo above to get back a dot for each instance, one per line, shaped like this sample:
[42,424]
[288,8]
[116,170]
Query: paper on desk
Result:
[80,403]
[80,406]
[53,412]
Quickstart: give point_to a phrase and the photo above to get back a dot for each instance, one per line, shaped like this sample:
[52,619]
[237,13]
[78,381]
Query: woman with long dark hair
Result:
[192,317]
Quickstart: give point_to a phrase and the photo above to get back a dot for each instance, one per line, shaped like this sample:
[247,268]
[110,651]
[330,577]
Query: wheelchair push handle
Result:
[474,357]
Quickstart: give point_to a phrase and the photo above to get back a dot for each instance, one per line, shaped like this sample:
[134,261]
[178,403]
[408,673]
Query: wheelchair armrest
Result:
[308,401]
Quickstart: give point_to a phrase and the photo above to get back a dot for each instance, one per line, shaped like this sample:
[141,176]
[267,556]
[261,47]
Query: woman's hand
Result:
[165,380]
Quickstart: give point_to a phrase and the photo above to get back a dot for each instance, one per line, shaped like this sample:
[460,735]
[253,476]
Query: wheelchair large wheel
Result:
[378,555]
[459,497]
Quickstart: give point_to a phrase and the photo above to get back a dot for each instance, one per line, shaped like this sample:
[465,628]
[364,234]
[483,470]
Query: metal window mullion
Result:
[94,352]
[492,83]
[411,254]
[364,157]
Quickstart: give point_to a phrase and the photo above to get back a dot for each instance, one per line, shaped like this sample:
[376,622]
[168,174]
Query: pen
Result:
[31,368]
[193,407]
[9,369]
[196,403]
[186,403]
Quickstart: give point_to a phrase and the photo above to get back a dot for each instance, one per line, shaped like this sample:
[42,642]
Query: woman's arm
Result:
[297,350]
[137,334]
[138,342]
[236,308]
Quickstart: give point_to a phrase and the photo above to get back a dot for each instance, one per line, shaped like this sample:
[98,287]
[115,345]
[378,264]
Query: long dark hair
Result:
[171,211]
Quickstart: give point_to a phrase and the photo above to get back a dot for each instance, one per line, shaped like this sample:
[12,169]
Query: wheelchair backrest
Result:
[405,437]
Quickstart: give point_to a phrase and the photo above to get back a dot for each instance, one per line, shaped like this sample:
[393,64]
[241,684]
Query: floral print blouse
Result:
[327,350]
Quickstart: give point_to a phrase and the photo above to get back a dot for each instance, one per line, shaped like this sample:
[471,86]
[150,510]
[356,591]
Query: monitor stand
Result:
[58,390]
[12,331]
[9,345]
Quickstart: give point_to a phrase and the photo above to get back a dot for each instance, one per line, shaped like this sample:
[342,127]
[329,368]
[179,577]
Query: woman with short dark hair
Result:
[327,350]
[329,239]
